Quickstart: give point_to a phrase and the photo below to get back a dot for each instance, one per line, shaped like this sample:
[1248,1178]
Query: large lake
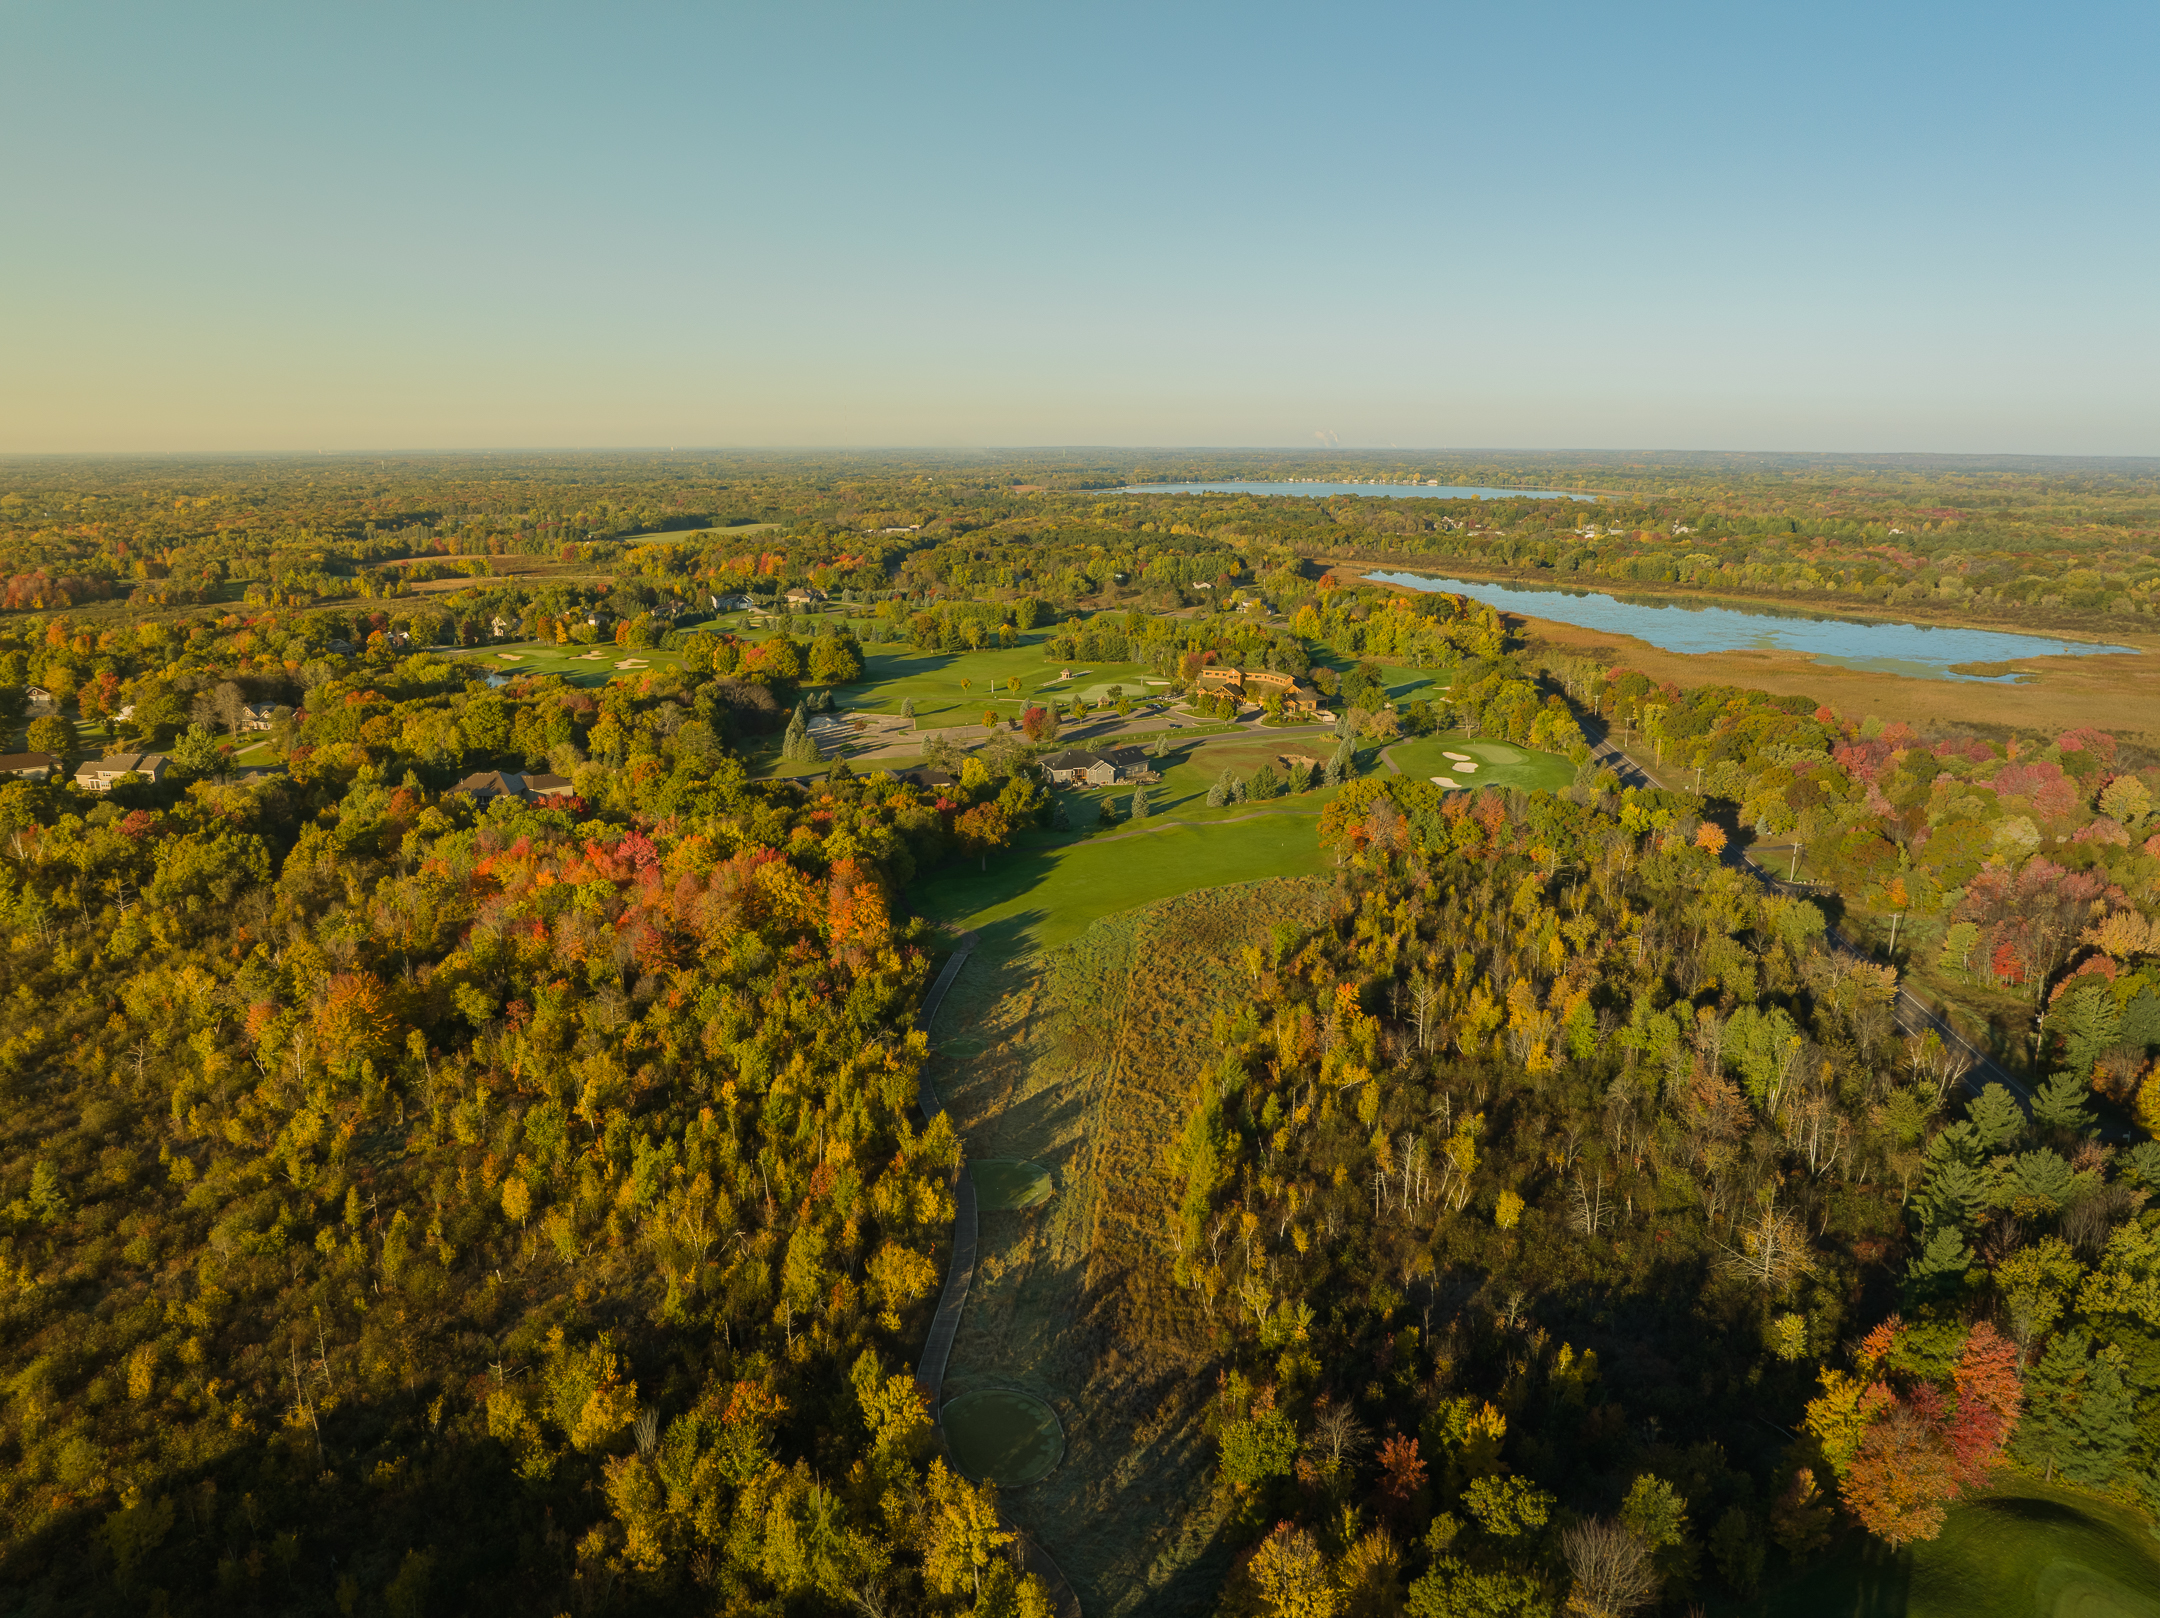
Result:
[1910,649]
[1399,491]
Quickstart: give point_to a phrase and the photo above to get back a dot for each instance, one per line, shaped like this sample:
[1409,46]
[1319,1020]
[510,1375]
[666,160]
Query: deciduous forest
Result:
[425,1193]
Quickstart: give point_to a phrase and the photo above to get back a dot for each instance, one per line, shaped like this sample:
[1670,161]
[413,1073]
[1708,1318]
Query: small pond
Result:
[1004,1435]
[1917,650]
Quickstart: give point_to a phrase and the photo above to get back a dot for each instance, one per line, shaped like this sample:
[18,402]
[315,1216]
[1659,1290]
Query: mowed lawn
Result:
[1499,764]
[1045,892]
[573,662]
[934,682]
[2024,1551]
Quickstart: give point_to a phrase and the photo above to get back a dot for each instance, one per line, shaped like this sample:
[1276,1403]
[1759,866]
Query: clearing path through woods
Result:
[1082,1059]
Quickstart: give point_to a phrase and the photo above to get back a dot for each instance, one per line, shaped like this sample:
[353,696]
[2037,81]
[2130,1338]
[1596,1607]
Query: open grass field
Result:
[1043,893]
[1079,1058]
[1499,764]
[933,681]
[2024,1551]
[745,529]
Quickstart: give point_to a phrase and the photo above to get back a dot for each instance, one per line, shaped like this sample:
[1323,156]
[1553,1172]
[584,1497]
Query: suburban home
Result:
[488,785]
[730,603]
[804,598]
[258,715]
[930,778]
[39,700]
[500,626]
[28,766]
[1078,767]
[103,774]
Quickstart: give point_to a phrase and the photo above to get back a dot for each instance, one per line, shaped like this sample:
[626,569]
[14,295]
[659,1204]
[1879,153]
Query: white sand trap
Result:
[1464,769]
[1443,780]
[511,657]
[632,663]
[592,657]
[1460,758]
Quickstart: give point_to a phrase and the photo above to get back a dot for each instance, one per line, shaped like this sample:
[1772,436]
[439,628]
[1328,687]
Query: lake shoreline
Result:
[2135,635]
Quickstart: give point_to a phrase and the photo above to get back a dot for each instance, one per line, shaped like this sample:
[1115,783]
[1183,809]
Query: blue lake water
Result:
[1915,650]
[1398,491]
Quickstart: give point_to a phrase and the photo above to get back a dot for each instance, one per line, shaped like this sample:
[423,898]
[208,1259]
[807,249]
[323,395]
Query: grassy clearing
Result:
[706,533]
[2024,1551]
[1009,1437]
[1043,894]
[1005,1183]
[1079,1059]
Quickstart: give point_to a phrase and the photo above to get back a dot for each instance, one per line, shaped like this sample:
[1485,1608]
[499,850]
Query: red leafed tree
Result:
[1901,1478]
[1990,1394]
[1402,1474]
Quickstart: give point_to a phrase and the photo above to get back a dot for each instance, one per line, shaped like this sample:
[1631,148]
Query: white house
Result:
[39,699]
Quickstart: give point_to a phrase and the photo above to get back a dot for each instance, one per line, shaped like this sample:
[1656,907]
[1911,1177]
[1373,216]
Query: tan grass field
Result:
[1081,1059]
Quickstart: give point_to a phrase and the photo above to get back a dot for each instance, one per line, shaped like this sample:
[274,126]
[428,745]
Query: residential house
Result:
[930,778]
[258,715]
[805,597]
[500,627]
[735,603]
[1077,767]
[39,700]
[28,766]
[488,785]
[103,774]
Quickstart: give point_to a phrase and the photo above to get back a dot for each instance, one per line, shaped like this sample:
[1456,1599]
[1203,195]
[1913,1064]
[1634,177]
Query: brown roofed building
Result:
[28,766]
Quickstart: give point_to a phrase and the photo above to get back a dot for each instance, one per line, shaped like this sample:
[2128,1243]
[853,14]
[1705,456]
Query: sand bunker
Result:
[1460,758]
[1464,768]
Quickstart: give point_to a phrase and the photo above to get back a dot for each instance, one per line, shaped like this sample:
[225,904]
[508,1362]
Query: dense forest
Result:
[2066,544]
[416,1203]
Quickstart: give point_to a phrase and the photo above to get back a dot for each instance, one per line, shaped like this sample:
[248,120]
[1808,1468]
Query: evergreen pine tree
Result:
[1219,793]
[2060,1104]
[2078,1417]
[1344,764]
[1139,803]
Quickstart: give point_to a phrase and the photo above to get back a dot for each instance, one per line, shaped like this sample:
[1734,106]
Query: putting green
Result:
[1004,1435]
[1009,1182]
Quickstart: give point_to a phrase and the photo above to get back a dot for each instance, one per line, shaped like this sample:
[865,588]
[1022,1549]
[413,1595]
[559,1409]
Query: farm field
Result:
[2024,1551]
[705,533]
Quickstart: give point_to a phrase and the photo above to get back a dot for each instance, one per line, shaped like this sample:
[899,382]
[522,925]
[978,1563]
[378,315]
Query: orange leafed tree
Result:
[1901,1478]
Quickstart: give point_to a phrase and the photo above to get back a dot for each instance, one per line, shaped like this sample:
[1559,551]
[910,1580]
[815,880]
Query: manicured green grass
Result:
[573,662]
[2023,1551]
[1046,891]
[1008,1182]
[894,675]
[1004,1435]
[1498,763]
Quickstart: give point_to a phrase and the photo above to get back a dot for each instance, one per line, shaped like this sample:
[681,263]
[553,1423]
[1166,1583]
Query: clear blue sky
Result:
[316,226]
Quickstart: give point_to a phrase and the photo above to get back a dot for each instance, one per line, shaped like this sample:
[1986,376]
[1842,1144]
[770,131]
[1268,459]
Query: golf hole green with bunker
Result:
[1008,1182]
[1004,1435]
